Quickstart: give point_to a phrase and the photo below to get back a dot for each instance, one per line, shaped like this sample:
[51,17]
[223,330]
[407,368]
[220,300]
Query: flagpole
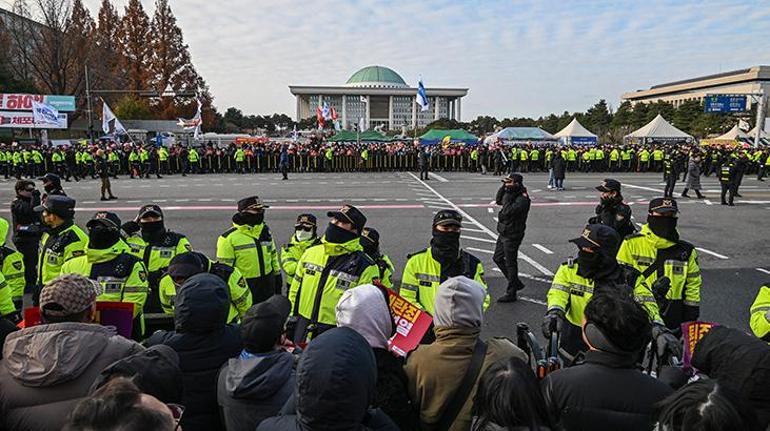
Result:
[116,118]
[90,112]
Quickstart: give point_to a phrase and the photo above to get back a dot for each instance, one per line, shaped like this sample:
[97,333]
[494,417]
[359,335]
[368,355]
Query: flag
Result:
[295,134]
[362,124]
[319,116]
[194,123]
[333,115]
[110,123]
[422,98]
[44,114]
[326,112]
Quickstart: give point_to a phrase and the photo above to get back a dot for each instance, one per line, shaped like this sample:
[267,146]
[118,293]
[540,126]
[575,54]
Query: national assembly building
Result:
[381,97]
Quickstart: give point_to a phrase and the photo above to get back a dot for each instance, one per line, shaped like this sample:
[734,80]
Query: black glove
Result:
[279,283]
[14,317]
[553,319]
[666,342]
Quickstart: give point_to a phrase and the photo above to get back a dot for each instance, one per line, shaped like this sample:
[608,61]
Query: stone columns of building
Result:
[414,111]
[436,101]
[390,112]
[458,102]
[299,113]
[368,114]
[344,112]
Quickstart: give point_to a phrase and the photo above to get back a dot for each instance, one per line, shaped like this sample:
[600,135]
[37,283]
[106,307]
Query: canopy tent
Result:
[367,136]
[734,136]
[512,135]
[435,136]
[659,130]
[763,136]
[575,133]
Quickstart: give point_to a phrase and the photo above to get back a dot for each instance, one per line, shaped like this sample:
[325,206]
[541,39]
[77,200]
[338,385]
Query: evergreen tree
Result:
[135,44]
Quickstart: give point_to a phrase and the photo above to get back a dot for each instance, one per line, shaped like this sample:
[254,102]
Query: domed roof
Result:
[376,76]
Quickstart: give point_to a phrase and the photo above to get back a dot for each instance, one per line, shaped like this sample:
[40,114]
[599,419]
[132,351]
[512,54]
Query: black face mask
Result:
[664,227]
[337,235]
[370,248]
[152,231]
[49,187]
[445,246]
[252,219]
[589,264]
[101,237]
[515,188]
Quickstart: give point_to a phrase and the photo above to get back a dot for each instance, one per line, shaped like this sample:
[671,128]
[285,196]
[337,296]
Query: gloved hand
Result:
[14,317]
[279,284]
[553,319]
[667,343]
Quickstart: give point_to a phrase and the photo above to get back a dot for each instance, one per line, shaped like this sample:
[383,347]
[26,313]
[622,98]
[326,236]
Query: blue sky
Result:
[519,58]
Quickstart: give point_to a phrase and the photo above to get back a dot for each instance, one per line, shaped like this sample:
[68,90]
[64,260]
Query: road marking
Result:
[436,207]
[473,238]
[763,270]
[542,248]
[480,250]
[708,202]
[467,229]
[649,189]
[489,232]
[233,207]
[715,254]
[440,178]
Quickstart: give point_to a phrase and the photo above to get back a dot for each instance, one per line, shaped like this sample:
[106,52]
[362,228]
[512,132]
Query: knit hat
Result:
[68,294]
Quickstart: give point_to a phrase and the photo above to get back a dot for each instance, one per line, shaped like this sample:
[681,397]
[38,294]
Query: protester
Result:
[204,342]
[436,371]
[256,384]
[336,386]
[706,405]
[121,405]
[46,369]
[365,309]
[559,166]
[511,227]
[607,391]
[509,398]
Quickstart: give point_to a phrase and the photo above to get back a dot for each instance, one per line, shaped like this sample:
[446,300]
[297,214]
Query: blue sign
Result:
[724,103]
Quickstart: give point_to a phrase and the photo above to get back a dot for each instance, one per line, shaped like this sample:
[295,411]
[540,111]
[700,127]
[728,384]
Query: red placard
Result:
[411,324]
[692,333]
[117,314]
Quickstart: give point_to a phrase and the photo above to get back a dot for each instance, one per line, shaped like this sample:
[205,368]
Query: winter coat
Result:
[204,342]
[740,360]
[605,392]
[47,369]
[252,389]
[436,370]
[559,166]
[336,383]
[512,218]
[693,174]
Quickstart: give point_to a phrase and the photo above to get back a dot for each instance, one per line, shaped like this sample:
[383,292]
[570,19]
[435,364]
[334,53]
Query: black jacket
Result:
[336,384]
[559,166]
[740,360]
[203,342]
[615,215]
[605,392]
[512,218]
[393,391]
[26,222]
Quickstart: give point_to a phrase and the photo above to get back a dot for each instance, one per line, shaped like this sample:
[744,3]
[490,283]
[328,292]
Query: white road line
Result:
[489,232]
[468,229]
[542,248]
[650,189]
[715,254]
[473,238]
[708,202]
[439,177]
[480,250]
[763,270]
[438,207]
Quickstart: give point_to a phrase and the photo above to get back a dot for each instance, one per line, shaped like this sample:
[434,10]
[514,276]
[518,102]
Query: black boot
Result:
[511,296]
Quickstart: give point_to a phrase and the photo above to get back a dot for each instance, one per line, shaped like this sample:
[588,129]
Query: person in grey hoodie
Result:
[255,385]
[47,369]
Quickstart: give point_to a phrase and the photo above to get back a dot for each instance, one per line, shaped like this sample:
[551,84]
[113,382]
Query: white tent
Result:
[753,132]
[659,129]
[733,135]
[574,130]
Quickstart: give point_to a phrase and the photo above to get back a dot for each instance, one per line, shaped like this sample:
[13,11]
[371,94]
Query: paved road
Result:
[733,242]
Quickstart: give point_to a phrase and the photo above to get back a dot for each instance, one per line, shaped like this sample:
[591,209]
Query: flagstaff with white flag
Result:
[110,123]
[422,97]
[45,115]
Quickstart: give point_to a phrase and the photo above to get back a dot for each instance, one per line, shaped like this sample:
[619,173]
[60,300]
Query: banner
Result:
[692,332]
[44,115]
[23,102]
[411,324]
[26,120]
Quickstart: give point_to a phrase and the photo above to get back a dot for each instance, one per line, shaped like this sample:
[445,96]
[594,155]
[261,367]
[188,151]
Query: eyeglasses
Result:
[305,228]
[177,410]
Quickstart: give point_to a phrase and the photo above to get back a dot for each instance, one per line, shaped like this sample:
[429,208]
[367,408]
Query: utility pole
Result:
[90,111]
[760,119]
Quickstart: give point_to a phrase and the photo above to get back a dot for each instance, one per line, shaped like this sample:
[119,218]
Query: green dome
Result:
[376,76]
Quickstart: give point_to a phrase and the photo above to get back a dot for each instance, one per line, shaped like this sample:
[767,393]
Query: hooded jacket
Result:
[336,380]
[204,342]
[252,389]
[435,370]
[740,360]
[512,217]
[365,309]
[47,369]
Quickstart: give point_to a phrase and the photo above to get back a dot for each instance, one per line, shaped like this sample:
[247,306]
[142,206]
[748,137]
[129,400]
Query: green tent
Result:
[435,136]
[367,136]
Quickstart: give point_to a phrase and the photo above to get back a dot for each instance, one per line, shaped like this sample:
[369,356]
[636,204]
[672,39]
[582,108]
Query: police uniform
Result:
[292,252]
[324,273]
[11,266]
[616,214]
[677,260]
[156,251]
[760,314]
[121,275]
[185,265]
[370,241]
[251,249]
[727,178]
[61,243]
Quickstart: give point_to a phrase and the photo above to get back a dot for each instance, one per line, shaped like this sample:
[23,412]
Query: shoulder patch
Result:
[228,232]
[634,235]
[409,256]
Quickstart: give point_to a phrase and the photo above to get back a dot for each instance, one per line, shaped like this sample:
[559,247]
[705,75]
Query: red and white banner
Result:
[26,120]
[23,102]
[411,324]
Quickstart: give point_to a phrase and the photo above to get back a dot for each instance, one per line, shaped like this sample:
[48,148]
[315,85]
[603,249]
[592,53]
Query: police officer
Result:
[62,241]
[27,228]
[51,185]
[249,246]
[150,241]
[426,269]
[576,282]
[327,270]
[370,241]
[109,262]
[512,222]
[304,236]
[185,265]
[612,211]
[727,175]
[760,314]
[11,267]
[670,176]
[657,251]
